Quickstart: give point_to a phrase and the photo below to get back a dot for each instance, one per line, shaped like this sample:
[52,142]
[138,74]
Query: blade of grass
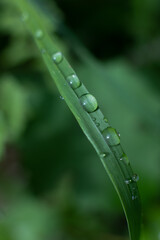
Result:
[95,126]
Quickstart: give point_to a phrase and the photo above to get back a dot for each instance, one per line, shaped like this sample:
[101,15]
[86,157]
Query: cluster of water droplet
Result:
[90,105]
[134,194]
[131,184]
[135,178]
[96,121]
[88,101]
[113,139]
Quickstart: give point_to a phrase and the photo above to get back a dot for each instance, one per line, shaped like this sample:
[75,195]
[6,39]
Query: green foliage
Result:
[27,219]
[14,105]
[84,106]
[71,199]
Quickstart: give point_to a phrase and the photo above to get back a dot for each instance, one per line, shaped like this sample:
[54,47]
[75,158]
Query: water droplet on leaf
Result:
[135,178]
[89,102]
[62,98]
[105,120]
[74,81]
[128,181]
[134,197]
[111,136]
[103,155]
[57,57]
[124,158]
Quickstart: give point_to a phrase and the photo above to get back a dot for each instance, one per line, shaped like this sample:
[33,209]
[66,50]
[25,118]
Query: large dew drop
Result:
[111,136]
[57,57]
[74,81]
[89,102]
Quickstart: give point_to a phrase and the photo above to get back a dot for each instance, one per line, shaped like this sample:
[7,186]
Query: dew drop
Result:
[105,120]
[57,57]
[124,158]
[89,102]
[39,33]
[128,181]
[74,81]
[111,136]
[62,98]
[103,155]
[134,197]
[135,178]
[96,122]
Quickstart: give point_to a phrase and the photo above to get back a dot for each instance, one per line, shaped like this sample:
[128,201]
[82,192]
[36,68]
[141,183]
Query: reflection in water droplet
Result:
[89,102]
[39,33]
[124,158]
[74,81]
[135,178]
[57,57]
[111,136]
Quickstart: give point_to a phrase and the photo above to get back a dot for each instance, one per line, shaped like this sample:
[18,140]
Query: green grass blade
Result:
[95,126]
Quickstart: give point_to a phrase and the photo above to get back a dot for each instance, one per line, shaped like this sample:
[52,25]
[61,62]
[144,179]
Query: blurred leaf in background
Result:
[47,188]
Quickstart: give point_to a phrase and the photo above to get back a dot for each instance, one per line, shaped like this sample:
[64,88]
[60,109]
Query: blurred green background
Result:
[52,184]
